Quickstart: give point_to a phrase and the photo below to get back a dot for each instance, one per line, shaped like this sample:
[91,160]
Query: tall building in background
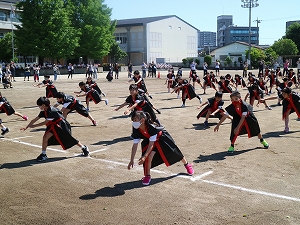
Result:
[227,33]
[223,21]
[207,38]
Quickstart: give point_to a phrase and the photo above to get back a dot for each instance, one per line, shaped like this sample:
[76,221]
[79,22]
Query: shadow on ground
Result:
[119,189]
[218,156]
[114,141]
[30,162]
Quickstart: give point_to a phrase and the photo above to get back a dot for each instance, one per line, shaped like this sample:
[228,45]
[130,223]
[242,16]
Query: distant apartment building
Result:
[227,33]
[7,18]
[207,38]
[288,23]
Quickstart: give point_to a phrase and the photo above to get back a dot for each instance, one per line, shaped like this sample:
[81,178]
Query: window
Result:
[1,35]
[3,16]
[179,28]
[136,39]
[191,43]
[155,40]
[121,38]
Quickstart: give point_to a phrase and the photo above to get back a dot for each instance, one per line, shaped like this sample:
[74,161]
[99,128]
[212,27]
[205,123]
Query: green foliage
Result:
[46,29]
[184,61]
[256,56]
[117,53]
[208,59]
[235,64]
[228,60]
[190,60]
[197,61]
[6,48]
[293,33]
[270,56]
[92,19]
[285,47]
[65,28]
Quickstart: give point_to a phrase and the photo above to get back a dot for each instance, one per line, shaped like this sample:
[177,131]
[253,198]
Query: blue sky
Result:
[203,14]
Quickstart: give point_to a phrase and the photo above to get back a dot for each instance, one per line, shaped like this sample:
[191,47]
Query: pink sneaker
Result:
[94,122]
[189,169]
[25,117]
[146,180]
[286,130]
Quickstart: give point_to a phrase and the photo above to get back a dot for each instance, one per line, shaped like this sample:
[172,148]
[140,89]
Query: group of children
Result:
[58,130]
[158,146]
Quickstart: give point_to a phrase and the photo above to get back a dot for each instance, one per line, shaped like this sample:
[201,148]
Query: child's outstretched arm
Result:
[133,152]
[32,124]
[224,117]
[121,106]
[204,103]
[130,108]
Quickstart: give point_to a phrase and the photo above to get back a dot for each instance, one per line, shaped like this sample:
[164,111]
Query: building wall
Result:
[206,38]
[233,50]
[6,22]
[171,39]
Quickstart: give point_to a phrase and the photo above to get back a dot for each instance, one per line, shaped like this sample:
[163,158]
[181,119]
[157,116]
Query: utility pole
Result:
[249,4]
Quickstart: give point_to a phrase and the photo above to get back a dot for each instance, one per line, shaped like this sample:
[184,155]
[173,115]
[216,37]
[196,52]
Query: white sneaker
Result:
[106,101]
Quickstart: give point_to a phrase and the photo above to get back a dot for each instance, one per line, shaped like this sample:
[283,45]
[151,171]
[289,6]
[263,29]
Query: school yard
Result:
[252,186]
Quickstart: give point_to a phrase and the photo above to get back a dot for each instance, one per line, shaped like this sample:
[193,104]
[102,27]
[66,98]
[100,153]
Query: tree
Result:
[184,61]
[46,30]
[117,53]
[256,55]
[208,59]
[92,19]
[228,60]
[285,47]
[6,48]
[293,33]
[270,56]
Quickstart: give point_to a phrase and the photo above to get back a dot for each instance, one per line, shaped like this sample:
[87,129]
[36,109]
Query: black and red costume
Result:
[292,103]
[209,80]
[5,106]
[213,105]
[250,125]
[51,90]
[238,80]
[94,85]
[224,86]
[92,94]
[59,127]
[142,105]
[166,150]
[69,102]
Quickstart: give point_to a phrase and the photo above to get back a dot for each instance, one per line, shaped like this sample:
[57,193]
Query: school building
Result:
[162,39]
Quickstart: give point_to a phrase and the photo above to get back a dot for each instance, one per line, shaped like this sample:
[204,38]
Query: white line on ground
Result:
[22,137]
[100,150]
[199,177]
[33,145]
[252,190]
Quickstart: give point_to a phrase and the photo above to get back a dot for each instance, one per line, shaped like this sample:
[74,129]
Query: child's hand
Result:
[216,129]
[142,160]
[126,112]
[130,165]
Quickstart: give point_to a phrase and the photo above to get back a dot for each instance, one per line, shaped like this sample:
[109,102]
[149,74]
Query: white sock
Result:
[43,151]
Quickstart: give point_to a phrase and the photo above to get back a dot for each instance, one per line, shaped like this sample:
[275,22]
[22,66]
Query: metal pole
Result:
[12,32]
[249,56]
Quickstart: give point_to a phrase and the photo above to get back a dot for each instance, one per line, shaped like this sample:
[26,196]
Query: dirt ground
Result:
[252,186]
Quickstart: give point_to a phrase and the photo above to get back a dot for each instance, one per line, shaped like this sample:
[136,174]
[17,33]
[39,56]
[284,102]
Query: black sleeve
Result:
[42,114]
